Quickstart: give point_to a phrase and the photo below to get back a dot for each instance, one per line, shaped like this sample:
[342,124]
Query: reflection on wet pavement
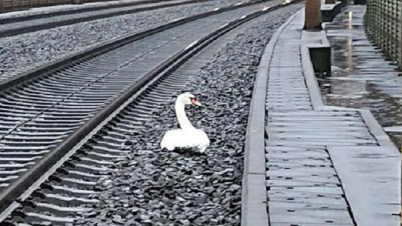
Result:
[361,77]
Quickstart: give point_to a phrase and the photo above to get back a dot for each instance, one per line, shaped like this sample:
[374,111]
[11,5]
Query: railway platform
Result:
[308,163]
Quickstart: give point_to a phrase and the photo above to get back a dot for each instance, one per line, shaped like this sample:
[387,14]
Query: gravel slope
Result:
[22,52]
[158,187]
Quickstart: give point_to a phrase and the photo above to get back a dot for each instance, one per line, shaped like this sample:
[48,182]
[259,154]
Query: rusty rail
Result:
[383,22]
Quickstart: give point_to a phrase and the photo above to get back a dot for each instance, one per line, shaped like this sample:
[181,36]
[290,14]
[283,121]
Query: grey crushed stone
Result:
[26,51]
[158,187]
[61,8]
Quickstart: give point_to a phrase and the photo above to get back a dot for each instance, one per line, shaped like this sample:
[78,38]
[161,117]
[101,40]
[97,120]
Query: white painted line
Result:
[239,3]
[216,9]
[243,17]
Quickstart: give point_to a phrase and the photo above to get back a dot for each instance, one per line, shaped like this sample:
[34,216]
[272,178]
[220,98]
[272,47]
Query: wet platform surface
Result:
[361,77]
[324,165]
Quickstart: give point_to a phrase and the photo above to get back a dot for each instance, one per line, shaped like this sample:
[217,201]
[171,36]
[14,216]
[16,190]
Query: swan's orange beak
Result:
[195,101]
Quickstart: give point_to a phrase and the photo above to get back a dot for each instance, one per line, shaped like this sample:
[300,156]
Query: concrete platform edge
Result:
[329,11]
[311,81]
[254,194]
[377,130]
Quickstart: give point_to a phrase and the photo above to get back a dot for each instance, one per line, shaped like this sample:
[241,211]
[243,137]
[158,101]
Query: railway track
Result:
[67,11]
[101,96]
[19,25]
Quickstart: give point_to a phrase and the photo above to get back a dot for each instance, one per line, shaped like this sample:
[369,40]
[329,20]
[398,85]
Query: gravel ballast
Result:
[62,8]
[23,52]
[158,187]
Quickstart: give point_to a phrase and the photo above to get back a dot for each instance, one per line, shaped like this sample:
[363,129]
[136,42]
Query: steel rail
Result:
[39,115]
[21,184]
[76,18]
[24,183]
[72,11]
[88,53]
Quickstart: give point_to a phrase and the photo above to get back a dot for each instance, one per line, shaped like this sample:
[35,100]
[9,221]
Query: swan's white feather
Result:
[188,138]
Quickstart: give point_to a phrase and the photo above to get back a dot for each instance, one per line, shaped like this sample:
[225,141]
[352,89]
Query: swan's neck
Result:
[182,117]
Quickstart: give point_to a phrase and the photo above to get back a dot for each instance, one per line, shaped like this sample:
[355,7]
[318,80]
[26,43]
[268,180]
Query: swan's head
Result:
[188,98]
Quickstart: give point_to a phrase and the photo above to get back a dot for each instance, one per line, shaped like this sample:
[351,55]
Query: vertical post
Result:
[381,17]
[394,27]
[374,19]
[389,28]
[312,15]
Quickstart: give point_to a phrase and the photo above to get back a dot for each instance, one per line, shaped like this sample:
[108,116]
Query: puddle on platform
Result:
[361,78]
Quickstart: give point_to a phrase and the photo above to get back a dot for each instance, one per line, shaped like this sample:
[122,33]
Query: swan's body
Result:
[179,138]
[187,136]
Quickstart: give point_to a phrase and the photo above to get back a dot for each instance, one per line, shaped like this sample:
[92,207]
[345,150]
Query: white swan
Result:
[187,136]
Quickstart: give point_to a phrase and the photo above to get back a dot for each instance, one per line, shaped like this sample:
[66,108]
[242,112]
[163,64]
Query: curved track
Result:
[68,11]
[102,98]
[19,25]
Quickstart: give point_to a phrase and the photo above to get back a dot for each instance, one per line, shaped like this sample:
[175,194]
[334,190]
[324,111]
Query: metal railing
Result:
[383,23]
